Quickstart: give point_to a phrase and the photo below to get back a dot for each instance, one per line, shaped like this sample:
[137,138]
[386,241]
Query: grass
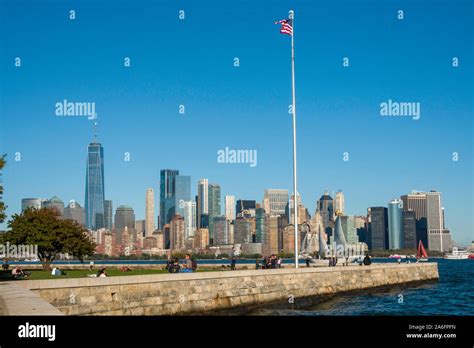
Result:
[81,273]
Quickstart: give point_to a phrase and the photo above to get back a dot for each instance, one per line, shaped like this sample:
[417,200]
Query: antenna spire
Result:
[95,128]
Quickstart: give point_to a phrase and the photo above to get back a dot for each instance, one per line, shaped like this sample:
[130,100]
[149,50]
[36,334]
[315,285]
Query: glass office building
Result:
[395,224]
[94,200]
[182,193]
[167,195]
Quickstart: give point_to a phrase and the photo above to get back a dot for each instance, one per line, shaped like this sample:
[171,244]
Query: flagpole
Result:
[295,200]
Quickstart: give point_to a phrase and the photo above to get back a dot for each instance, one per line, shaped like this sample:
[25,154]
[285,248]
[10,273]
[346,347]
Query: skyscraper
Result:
[325,207]
[245,207]
[94,200]
[182,193]
[201,239]
[339,202]
[167,195]
[189,218]
[409,229]
[290,211]
[439,238]
[244,228]
[395,224]
[124,217]
[277,200]
[430,224]
[230,207]
[75,212]
[288,239]
[149,212]
[202,200]
[108,211]
[221,231]
[55,203]
[416,202]
[177,233]
[259,224]
[140,227]
[35,203]
[270,240]
[378,228]
[350,230]
[214,197]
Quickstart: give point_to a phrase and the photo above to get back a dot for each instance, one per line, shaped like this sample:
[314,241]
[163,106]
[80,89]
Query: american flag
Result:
[286,26]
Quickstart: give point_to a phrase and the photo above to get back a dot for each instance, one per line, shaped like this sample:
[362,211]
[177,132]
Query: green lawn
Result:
[40,274]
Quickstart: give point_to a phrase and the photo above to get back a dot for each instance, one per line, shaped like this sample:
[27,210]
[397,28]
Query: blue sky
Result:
[190,62]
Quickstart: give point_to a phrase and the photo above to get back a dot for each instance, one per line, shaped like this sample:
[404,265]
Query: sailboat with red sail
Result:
[421,255]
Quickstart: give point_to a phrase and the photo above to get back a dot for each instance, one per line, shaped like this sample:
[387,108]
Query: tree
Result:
[44,228]
[2,205]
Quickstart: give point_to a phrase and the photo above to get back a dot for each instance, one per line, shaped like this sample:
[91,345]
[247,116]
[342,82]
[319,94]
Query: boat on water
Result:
[421,255]
[457,254]
[396,256]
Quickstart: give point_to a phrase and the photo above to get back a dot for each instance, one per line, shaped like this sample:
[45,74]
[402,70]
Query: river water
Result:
[453,294]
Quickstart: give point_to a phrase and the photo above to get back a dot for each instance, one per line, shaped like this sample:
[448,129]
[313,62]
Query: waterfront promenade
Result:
[212,292]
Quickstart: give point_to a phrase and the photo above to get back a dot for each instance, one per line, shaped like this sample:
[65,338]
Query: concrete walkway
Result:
[16,300]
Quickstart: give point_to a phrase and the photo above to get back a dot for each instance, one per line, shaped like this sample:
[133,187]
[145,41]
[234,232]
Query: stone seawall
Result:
[16,300]
[190,293]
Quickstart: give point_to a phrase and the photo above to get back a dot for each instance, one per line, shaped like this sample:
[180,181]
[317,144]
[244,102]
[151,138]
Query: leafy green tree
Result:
[44,228]
[2,205]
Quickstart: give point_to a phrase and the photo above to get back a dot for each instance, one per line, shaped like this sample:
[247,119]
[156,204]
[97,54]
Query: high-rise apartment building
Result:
[177,240]
[202,200]
[189,211]
[149,212]
[230,207]
[214,204]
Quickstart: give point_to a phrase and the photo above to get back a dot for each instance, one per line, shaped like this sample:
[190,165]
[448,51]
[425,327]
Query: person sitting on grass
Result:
[174,266]
[101,273]
[57,272]
[124,269]
[18,272]
[188,265]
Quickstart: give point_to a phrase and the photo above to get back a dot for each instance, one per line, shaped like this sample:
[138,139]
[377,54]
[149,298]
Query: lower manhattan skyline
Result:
[166,110]
[244,158]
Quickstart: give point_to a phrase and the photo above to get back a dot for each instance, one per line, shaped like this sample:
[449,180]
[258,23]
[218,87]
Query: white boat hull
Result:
[456,257]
